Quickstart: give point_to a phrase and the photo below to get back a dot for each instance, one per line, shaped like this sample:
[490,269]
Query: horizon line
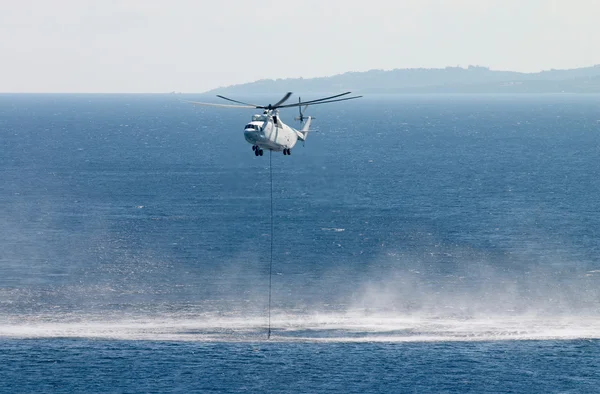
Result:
[328,76]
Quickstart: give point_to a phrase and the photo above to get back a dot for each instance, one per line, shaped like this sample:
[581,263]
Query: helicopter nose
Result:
[250,135]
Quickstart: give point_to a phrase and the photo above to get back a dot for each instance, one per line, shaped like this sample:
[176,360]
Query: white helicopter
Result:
[267,131]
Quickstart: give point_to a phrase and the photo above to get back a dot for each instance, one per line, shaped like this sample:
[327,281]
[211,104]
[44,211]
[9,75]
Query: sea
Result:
[417,244]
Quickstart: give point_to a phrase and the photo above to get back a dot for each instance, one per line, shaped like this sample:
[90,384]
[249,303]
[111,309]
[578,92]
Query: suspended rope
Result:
[271,253]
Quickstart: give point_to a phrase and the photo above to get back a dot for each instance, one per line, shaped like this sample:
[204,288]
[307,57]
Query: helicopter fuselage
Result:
[267,131]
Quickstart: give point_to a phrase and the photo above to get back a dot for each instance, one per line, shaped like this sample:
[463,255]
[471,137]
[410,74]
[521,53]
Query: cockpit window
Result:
[251,127]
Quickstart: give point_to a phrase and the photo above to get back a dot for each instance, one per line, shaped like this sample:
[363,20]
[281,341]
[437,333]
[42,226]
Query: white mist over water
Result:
[405,302]
[347,327]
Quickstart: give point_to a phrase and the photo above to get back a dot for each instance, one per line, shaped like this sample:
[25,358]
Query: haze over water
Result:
[422,243]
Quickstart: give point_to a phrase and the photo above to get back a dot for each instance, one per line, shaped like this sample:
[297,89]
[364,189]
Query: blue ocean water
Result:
[422,244]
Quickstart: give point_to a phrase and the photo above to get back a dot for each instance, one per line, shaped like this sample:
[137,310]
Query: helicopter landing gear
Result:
[254,147]
[287,151]
[258,151]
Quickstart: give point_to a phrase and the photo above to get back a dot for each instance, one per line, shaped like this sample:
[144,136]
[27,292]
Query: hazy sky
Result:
[196,45]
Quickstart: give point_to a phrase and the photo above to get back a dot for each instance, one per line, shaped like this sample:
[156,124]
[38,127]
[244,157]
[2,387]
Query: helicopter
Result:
[267,131]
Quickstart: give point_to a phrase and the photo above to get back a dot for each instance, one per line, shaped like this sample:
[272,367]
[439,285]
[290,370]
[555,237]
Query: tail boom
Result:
[302,134]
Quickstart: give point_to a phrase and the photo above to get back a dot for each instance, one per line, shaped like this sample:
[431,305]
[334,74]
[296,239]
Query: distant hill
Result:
[473,79]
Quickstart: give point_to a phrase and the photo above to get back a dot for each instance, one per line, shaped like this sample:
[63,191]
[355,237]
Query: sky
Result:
[191,46]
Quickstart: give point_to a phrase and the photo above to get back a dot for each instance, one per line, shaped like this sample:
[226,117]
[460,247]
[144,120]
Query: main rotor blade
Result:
[283,100]
[239,102]
[218,105]
[326,98]
[320,102]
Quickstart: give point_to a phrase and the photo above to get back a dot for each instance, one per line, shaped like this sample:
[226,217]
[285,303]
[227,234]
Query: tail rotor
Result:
[301,111]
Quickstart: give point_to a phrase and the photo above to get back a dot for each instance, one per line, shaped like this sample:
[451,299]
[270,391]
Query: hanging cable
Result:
[271,253]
